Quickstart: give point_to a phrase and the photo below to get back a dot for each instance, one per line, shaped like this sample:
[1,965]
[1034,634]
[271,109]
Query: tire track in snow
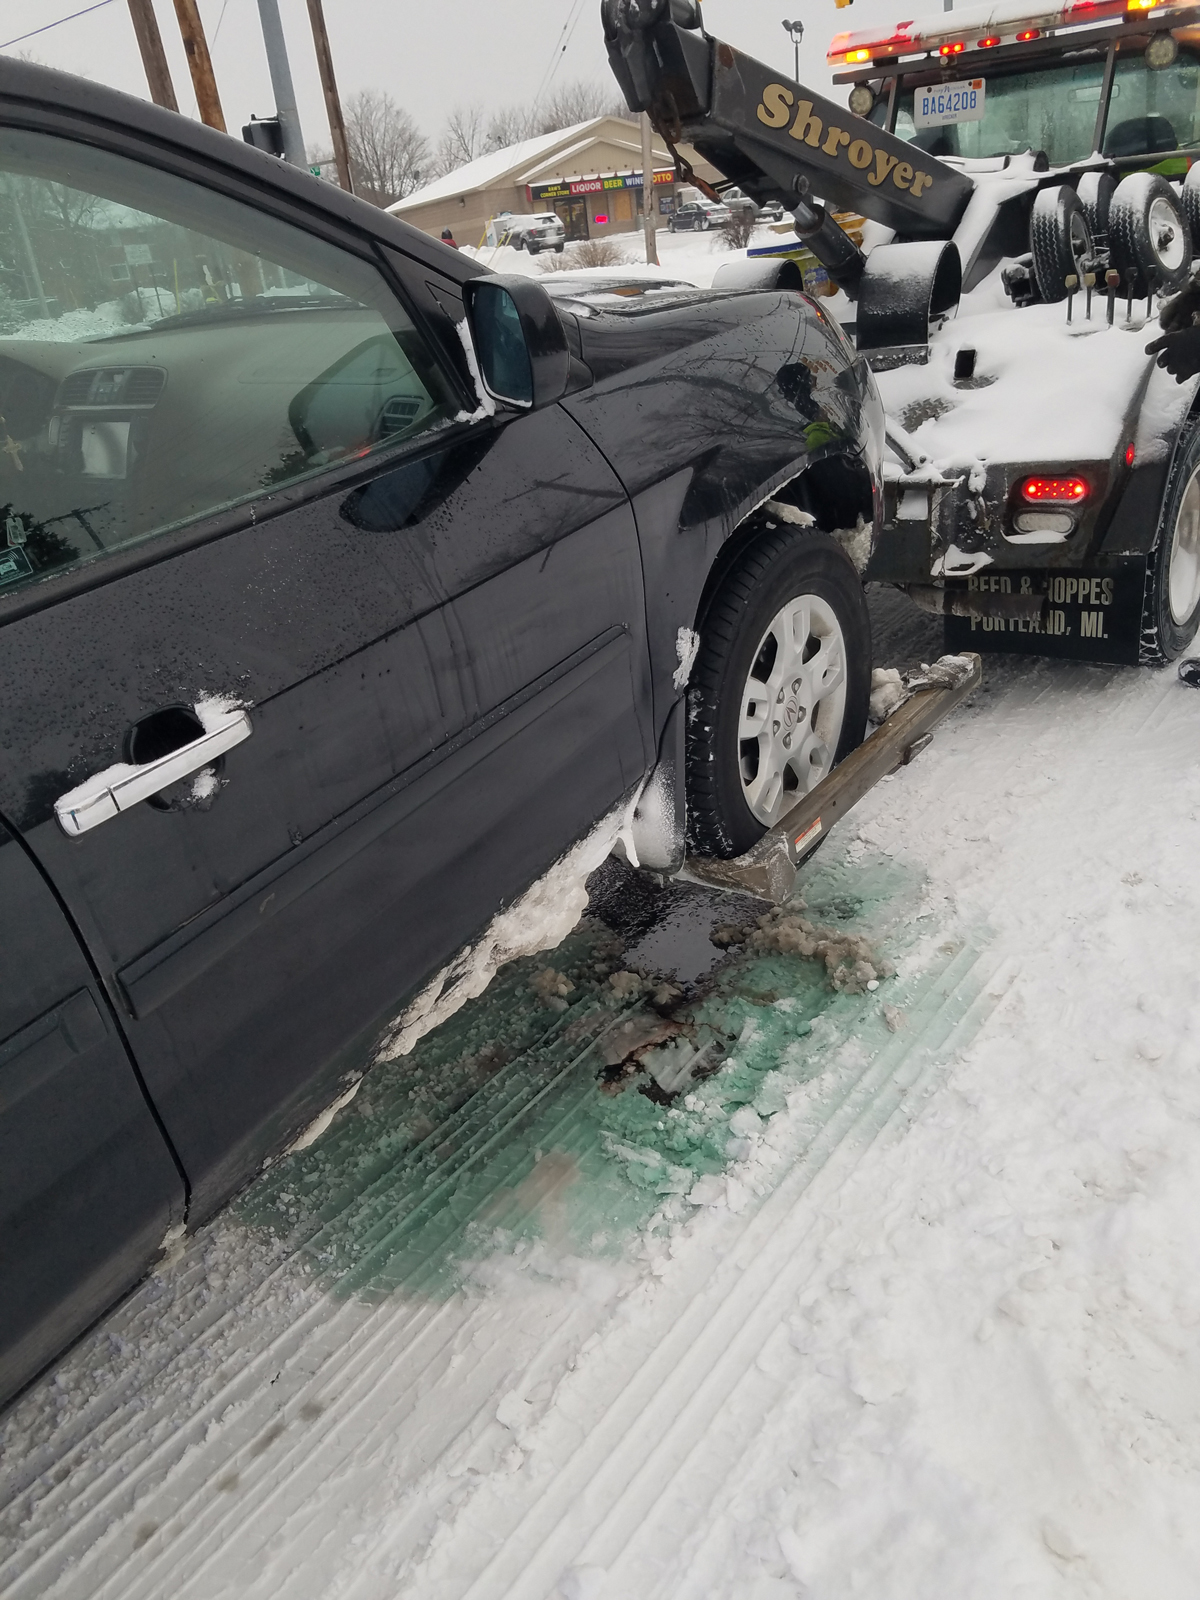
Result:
[598,1497]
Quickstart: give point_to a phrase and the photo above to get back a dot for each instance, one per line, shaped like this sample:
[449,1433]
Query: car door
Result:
[88,1187]
[188,580]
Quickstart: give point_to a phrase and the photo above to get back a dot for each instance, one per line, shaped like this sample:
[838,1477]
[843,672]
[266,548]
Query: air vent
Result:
[122,387]
[144,385]
[76,389]
[398,412]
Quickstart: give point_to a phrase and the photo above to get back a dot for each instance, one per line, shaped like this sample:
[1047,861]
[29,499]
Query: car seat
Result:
[1140,136]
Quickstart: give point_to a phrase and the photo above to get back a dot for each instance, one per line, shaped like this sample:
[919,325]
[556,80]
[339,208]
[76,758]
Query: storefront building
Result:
[590,175]
[611,202]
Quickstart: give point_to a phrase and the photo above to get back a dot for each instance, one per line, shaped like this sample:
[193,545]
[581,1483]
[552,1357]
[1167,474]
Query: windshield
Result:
[1053,108]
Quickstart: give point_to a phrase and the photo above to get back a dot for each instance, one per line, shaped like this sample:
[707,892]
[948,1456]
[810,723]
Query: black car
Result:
[343,587]
[698,216]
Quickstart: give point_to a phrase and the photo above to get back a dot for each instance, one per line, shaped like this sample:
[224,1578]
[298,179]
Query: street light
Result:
[796,30]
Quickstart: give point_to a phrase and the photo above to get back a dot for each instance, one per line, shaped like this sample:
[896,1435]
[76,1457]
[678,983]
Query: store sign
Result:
[580,186]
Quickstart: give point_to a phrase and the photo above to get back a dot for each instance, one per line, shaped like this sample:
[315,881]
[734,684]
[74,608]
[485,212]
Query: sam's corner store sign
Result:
[575,187]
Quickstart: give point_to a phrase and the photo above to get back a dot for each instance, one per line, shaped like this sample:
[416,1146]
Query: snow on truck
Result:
[1027,175]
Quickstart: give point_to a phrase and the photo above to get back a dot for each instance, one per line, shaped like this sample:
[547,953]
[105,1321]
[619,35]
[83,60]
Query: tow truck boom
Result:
[775,138]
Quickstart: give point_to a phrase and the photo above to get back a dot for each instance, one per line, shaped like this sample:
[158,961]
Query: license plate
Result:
[943,104]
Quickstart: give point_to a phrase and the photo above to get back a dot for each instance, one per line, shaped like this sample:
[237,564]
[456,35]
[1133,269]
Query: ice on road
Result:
[818,1294]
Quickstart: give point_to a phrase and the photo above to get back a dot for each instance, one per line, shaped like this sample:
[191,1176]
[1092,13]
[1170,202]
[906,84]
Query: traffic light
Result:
[265,133]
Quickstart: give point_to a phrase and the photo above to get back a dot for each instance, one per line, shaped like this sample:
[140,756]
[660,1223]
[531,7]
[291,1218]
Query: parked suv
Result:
[544,231]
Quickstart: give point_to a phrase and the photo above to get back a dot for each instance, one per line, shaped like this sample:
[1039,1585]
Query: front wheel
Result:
[1172,604]
[780,689]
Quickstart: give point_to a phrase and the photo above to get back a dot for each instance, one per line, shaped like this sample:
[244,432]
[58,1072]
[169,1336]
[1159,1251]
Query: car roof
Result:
[62,97]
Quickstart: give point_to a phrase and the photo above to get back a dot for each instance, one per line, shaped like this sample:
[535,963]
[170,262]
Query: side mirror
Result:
[521,344]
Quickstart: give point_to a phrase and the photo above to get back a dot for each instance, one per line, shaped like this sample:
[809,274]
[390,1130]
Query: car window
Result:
[167,352]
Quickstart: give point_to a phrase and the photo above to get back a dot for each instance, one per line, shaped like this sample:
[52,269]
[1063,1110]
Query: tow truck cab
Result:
[1106,87]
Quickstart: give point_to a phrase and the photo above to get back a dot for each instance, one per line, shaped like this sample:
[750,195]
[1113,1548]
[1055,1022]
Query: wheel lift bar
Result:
[774,136]
[769,870]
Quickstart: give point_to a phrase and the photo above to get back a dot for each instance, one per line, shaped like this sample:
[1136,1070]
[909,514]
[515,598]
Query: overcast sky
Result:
[431,55]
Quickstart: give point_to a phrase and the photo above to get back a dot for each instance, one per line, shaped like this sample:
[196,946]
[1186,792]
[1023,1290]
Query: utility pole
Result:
[648,192]
[34,276]
[333,105]
[281,83]
[200,64]
[154,57]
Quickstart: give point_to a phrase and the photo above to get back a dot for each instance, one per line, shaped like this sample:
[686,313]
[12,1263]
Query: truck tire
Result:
[1148,235]
[1095,193]
[1059,239]
[780,688]
[1191,203]
[1172,606]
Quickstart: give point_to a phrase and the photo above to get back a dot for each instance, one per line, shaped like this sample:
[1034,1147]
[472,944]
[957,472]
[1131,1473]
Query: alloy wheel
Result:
[792,707]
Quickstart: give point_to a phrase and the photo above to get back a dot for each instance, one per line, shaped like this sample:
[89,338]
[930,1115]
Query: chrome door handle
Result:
[120,787]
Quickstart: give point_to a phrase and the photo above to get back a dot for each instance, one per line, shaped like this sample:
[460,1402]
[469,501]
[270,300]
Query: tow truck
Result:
[1031,191]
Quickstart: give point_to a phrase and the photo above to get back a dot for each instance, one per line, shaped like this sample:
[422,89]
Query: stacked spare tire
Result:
[1142,228]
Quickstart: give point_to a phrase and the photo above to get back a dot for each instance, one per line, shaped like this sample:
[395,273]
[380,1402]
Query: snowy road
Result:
[901,1300]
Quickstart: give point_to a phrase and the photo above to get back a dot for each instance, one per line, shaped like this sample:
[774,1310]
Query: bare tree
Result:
[577,102]
[509,126]
[571,104]
[389,155]
[465,138]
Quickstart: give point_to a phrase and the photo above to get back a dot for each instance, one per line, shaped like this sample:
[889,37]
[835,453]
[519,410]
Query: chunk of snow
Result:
[319,1124]
[958,563]
[538,920]
[887,692]
[687,645]
[487,406]
[792,514]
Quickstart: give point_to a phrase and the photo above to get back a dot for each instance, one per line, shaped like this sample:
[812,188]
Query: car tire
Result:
[1059,239]
[769,714]
[1171,610]
[518,243]
[534,249]
[1095,192]
[559,248]
[1148,235]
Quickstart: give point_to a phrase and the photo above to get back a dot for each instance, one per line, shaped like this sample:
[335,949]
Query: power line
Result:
[220,20]
[21,37]
[559,46]
[559,57]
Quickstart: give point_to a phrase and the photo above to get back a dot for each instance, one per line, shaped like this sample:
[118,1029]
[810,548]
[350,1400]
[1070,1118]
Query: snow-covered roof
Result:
[487,171]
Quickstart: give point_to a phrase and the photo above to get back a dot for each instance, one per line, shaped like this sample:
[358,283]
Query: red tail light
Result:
[1030,33]
[951,49]
[1056,489]
[991,40]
